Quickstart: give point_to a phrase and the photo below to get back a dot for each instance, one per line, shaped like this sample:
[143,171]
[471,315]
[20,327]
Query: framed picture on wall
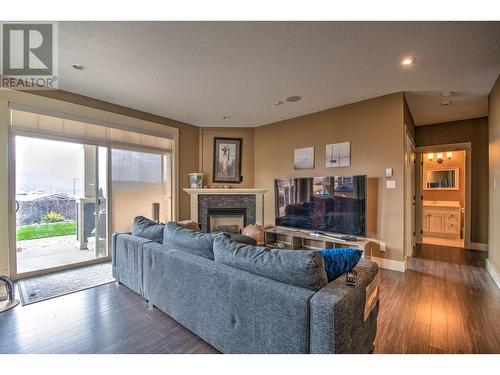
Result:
[303,158]
[227,160]
[338,155]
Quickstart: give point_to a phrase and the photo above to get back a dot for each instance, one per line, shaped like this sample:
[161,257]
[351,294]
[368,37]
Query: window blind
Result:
[85,131]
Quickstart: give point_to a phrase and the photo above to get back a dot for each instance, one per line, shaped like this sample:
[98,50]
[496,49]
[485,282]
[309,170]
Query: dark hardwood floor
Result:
[445,303]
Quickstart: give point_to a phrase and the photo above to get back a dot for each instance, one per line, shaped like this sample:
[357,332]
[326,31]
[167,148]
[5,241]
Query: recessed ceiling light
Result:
[408,61]
[77,66]
[447,93]
[226,117]
[293,98]
[280,102]
[445,103]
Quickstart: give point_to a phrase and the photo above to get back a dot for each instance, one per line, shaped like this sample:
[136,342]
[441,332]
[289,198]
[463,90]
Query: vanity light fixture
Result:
[449,155]
[439,156]
[430,156]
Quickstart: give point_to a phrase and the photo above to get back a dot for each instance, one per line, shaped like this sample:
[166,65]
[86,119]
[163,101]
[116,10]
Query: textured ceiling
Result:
[198,72]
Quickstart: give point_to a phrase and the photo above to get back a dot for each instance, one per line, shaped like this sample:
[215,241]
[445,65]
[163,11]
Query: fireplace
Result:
[228,217]
[214,207]
[225,210]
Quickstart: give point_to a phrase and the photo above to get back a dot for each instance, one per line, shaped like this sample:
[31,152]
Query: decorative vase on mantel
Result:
[196,180]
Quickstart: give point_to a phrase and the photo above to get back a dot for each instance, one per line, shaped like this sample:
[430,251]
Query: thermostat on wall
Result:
[388,172]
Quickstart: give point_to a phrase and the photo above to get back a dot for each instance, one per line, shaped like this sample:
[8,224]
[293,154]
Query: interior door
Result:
[410,197]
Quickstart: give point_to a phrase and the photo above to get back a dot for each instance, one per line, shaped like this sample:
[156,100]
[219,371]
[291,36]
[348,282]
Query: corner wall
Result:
[376,132]
[494,176]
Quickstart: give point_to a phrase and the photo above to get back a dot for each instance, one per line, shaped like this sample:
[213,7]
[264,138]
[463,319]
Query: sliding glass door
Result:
[141,186]
[61,204]
[73,181]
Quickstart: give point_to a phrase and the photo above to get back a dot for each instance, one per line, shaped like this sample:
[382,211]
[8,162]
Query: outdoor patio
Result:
[49,252]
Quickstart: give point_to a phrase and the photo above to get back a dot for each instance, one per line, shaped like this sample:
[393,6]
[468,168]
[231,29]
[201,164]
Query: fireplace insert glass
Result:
[327,204]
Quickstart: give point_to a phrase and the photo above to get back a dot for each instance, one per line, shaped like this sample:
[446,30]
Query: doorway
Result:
[444,192]
[61,200]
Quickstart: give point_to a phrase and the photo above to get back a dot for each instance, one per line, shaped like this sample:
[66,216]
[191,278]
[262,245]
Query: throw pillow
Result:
[190,224]
[340,260]
[148,229]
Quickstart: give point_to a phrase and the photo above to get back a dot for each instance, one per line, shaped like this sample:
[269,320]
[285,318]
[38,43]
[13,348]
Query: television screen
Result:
[327,204]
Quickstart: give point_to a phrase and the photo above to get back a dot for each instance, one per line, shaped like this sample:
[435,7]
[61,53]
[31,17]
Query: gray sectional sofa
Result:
[244,299]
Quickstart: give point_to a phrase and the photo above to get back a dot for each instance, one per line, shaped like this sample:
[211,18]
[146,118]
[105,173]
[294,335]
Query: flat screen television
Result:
[334,204]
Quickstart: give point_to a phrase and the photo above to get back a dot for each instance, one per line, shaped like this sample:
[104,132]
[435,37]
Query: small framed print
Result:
[338,155]
[303,158]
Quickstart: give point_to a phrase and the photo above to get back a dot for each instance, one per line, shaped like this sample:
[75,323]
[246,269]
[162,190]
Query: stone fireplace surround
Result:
[252,200]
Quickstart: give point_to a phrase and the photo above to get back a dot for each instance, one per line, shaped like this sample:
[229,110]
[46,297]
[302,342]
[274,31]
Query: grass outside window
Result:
[34,231]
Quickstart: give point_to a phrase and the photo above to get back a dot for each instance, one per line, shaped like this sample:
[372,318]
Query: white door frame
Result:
[465,146]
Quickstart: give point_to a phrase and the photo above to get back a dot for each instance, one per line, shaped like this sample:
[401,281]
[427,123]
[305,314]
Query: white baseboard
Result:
[493,272]
[478,246]
[389,264]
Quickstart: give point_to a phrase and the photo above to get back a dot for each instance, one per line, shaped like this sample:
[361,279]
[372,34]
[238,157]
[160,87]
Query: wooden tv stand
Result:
[296,239]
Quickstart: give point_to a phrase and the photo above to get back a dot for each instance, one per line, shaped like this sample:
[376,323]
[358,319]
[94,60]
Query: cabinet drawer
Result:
[452,219]
[452,228]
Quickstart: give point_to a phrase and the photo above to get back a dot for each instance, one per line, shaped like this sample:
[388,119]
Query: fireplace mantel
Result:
[259,199]
[224,191]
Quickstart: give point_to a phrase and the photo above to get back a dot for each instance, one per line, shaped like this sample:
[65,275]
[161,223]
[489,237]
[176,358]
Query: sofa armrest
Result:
[113,246]
[338,323]
[128,260]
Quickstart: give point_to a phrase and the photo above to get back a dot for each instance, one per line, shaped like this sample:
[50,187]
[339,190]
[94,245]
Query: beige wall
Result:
[494,193]
[206,153]
[457,161]
[474,131]
[375,129]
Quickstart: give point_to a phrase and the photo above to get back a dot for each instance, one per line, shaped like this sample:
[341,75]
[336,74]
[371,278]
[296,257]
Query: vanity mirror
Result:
[441,179]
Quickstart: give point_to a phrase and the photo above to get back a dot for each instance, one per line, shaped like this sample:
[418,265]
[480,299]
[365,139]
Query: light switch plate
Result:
[382,246]
[494,184]
[388,172]
[390,184]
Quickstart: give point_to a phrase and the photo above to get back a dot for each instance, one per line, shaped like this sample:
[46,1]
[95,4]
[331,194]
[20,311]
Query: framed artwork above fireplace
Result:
[227,160]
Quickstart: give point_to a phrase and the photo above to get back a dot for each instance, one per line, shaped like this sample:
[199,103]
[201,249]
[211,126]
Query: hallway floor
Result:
[446,302]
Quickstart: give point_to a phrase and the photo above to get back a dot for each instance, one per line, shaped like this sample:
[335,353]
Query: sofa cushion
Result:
[198,243]
[147,229]
[339,261]
[304,268]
